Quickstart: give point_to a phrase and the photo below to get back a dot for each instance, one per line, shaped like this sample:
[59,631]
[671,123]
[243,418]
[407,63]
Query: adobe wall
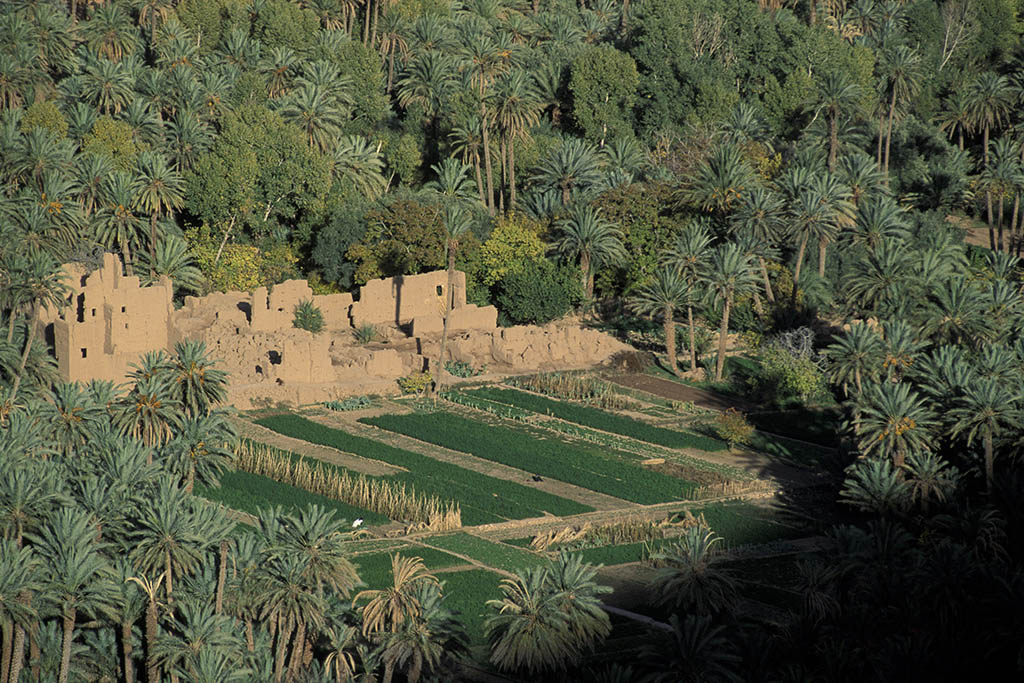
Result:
[109,320]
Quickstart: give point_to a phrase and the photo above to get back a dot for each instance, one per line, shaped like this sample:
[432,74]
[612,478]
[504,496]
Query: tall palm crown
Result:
[836,96]
[159,189]
[584,235]
[573,167]
[895,421]
[731,273]
[855,356]
[668,292]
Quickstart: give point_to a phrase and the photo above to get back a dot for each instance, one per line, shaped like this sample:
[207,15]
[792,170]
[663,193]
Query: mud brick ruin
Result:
[110,320]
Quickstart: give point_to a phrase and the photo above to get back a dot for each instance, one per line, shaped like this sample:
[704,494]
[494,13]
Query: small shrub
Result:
[416,383]
[308,317]
[460,368]
[367,333]
[347,404]
[732,426]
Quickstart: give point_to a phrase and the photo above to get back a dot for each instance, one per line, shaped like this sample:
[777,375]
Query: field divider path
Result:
[596,500]
[356,463]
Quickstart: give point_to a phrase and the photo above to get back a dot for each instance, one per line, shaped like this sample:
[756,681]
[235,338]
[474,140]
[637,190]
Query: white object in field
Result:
[357,523]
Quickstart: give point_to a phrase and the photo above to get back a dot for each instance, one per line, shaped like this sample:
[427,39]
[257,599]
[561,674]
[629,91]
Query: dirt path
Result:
[674,391]
[594,499]
[357,463]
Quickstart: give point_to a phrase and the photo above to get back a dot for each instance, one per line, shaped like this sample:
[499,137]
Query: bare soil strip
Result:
[599,501]
[327,454]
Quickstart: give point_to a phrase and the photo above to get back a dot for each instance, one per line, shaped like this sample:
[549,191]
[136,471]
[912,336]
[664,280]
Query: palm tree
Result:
[420,645]
[574,580]
[316,534]
[457,225]
[695,651]
[392,42]
[900,347]
[895,421]
[875,486]
[109,32]
[879,219]
[166,541]
[151,589]
[173,260]
[903,80]
[836,95]
[531,633]
[387,609]
[722,180]
[583,234]
[149,410]
[452,183]
[956,312]
[20,577]
[731,273]
[955,116]
[197,384]
[516,110]
[669,291]
[201,449]
[428,83]
[985,410]
[859,172]
[107,84]
[279,68]
[990,99]
[760,217]
[572,167]
[1002,178]
[77,577]
[878,280]
[117,225]
[159,189]
[854,356]
[154,13]
[93,170]
[466,142]
[691,255]
[930,477]
[74,418]
[359,163]
[43,285]
[195,628]
[689,574]
[318,113]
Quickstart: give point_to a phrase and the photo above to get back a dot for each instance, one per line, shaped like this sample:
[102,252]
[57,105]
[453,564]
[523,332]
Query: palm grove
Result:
[723,164]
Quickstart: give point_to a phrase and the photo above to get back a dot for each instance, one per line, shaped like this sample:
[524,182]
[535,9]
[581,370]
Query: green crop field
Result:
[483,499]
[598,419]
[579,464]
[251,493]
[466,593]
[375,568]
[496,555]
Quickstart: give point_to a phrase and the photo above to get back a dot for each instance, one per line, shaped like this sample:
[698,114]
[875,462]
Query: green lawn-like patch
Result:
[598,419]
[819,426]
[375,568]
[741,523]
[466,593]
[251,493]
[496,555]
[575,463]
[483,499]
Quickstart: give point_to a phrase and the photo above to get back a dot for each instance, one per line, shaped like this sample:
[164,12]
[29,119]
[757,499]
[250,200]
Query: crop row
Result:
[572,463]
[483,499]
[599,419]
[251,493]
[489,553]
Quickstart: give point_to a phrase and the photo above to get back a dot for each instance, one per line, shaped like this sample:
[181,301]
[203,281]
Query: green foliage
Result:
[603,85]
[114,140]
[788,376]
[342,226]
[348,404]
[280,23]
[366,333]
[538,294]
[572,463]
[513,244]
[45,114]
[598,419]
[404,157]
[416,383]
[733,428]
[370,105]
[460,368]
[403,238]
[237,269]
[483,499]
[308,317]
[488,553]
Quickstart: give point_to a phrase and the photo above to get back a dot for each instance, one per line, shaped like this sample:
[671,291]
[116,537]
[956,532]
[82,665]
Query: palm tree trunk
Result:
[152,245]
[152,668]
[373,29]
[670,339]
[5,654]
[170,584]
[833,141]
[129,270]
[250,638]
[988,192]
[989,464]
[503,174]
[18,654]
[768,293]
[588,278]
[799,264]
[35,656]
[888,133]
[222,576]
[10,324]
[479,178]
[31,338]
[389,671]
[822,248]
[881,138]
[487,154]
[999,221]
[693,339]
[366,23]
[65,648]
[298,650]
[282,648]
[723,333]
[511,175]
[126,650]
[391,70]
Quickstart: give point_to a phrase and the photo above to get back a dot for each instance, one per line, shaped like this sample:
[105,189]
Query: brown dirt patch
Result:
[703,477]
[674,391]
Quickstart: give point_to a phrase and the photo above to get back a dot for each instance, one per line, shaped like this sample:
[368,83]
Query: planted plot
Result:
[598,419]
[740,523]
[466,594]
[251,493]
[571,463]
[375,568]
[497,555]
[483,499]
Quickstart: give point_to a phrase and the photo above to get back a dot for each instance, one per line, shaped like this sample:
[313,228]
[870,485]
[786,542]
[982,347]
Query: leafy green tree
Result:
[603,83]
[538,293]
[730,273]
[669,291]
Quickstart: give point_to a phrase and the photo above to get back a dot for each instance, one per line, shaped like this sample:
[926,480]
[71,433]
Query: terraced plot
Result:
[539,453]
[596,418]
[483,499]
[496,555]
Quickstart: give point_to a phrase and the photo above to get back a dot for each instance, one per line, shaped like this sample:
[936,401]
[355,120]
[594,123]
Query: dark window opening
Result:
[81,308]
[259,370]
[275,357]
[124,309]
[94,312]
[84,352]
[440,292]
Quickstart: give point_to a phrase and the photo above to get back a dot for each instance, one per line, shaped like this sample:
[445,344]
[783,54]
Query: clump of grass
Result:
[347,404]
[394,501]
[366,333]
[616,533]
[416,383]
[589,390]
[308,317]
